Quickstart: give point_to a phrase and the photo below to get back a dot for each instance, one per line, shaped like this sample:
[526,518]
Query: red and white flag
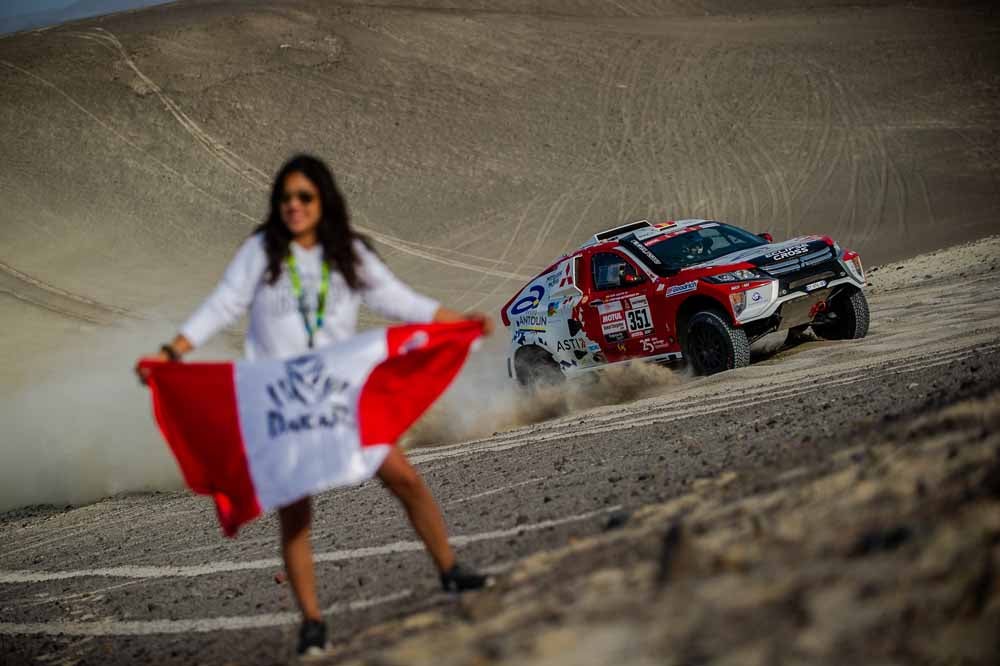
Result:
[257,435]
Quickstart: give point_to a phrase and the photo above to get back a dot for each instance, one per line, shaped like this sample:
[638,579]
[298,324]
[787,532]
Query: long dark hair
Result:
[334,231]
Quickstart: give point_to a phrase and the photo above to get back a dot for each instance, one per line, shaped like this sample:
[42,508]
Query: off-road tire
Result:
[852,317]
[712,344]
[535,368]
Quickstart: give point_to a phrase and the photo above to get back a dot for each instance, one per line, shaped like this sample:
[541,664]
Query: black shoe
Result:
[312,639]
[460,579]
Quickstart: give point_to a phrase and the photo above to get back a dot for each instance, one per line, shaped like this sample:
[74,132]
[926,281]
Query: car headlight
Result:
[854,263]
[739,275]
[739,302]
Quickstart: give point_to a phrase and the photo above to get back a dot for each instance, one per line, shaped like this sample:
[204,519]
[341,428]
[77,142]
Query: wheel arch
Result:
[532,353]
[696,303]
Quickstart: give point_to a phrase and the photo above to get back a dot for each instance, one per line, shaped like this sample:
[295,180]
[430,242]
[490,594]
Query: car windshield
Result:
[698,244]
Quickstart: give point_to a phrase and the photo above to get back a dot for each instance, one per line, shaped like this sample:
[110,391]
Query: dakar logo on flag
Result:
[307,385]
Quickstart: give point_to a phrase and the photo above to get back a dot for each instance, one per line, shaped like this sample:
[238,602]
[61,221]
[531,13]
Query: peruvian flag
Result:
[257,435]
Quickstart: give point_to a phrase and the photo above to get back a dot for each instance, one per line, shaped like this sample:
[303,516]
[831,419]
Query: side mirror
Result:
[766,236]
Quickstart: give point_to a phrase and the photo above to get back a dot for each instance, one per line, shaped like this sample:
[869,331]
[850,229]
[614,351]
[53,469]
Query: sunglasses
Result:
[305,197]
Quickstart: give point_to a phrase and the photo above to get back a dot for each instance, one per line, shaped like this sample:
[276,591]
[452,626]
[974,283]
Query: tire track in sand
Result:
[35,292]
[255,176]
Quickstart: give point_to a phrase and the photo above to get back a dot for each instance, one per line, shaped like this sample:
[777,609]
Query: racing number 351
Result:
[638,320]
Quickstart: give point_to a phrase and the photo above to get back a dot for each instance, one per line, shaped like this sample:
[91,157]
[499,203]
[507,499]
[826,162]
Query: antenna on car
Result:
[622,230]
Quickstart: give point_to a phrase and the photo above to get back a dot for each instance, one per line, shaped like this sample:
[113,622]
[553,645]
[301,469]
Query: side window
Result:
[613,271]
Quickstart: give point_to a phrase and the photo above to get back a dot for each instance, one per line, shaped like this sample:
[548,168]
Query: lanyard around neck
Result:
[300,295]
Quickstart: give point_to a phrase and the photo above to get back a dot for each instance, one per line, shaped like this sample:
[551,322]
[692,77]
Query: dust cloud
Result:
[484,400]
[84,429]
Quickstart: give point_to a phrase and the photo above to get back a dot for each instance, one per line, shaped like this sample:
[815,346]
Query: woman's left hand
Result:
[484,319]
[447,316]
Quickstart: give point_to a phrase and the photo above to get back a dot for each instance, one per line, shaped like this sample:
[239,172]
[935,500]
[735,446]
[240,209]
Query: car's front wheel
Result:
[847,317]
[712,344]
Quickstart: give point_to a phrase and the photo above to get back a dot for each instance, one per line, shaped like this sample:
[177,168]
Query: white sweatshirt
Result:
[276,329]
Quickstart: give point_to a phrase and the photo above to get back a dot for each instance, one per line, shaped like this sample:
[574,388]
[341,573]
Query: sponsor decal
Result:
[787,253]
[642,249]
[553,308]
[653,241]
[660,287]
[530,301]
[650,345]
[755,296]
[612,317]
[638,302]
[613,327]
[567,276]
[682,288]
[571,344]
[531,322]
[551,281]
[593,347]
[604,308]
[617,337]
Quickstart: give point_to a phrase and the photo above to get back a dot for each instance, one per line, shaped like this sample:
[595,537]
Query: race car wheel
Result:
[712,344]
[535,368]
[849,319]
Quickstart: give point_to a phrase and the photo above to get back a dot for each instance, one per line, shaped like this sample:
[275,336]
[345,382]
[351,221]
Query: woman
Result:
[302,275]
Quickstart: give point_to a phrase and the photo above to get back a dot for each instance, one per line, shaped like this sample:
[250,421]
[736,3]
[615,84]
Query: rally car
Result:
[697,290]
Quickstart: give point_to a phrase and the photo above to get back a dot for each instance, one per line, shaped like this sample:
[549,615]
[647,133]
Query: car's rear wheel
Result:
[712,344]
[535,368]
[846,317]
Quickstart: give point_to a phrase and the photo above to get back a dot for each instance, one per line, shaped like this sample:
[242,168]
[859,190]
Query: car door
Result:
[617,311]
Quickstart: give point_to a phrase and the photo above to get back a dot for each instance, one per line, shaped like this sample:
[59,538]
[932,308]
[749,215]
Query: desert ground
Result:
[832,503]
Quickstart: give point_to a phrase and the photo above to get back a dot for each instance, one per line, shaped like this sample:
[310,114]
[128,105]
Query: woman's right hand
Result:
[180,345]
[143,373]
